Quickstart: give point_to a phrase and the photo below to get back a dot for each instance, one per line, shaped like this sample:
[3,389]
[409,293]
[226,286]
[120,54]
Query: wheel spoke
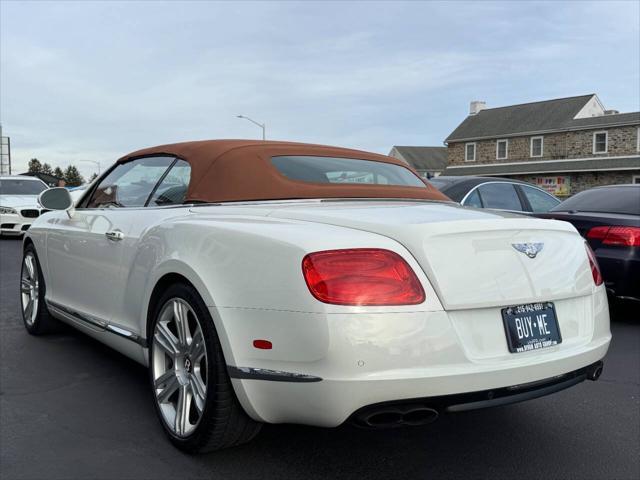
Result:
[28,311]
[196,349]
[25,286]
[166,340]
[28,260]
[181,317]
[199,391]
[164,379]
[170,383]
[182,410]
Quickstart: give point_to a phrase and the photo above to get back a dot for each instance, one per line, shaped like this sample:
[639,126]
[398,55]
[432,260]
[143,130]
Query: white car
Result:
[19,203]
[290,283]
[76,193]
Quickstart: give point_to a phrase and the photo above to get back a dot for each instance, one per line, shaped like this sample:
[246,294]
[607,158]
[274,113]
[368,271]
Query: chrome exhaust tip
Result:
[595,371]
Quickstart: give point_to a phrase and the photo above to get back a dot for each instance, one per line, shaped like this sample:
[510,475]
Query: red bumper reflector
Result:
[263,344]
[361,276]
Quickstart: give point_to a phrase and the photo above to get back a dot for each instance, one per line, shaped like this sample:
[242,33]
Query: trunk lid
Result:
[469,255]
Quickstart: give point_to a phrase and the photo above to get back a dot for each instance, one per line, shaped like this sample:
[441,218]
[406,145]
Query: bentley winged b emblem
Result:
[529,249]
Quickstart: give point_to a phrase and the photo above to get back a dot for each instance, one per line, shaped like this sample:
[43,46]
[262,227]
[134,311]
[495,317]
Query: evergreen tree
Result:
[46,168]
[35,166]
[58,173]
[93,177]
[72,176]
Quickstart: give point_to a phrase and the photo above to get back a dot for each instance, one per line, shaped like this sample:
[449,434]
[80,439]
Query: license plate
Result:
[531,327]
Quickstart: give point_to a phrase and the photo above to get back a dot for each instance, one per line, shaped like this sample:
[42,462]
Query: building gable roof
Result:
[423,158]
[535,117]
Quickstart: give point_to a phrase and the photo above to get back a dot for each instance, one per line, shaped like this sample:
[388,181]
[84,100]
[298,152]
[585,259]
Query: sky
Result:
[90,81]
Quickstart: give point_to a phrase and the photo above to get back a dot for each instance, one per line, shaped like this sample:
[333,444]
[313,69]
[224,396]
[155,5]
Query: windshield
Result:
[439,183]
[21,187]
[345,170]
[604,200]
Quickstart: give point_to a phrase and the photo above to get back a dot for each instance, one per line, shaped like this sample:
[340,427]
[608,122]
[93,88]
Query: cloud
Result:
[94,80]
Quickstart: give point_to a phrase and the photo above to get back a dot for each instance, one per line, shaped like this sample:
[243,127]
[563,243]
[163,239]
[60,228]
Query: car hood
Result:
[30,201]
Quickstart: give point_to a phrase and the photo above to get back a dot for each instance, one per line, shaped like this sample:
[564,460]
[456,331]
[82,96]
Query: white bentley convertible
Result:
[280,282]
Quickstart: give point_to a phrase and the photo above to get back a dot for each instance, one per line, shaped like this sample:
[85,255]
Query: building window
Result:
[638,139]
[600,142]
[502,149]
[537,146]
[636,179]
[470,152]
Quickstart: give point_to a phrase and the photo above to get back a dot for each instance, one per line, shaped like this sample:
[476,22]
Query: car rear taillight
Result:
[593,264]
[361,276]
[619,236]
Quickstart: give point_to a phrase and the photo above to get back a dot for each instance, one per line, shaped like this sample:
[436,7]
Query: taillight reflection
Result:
[593,263]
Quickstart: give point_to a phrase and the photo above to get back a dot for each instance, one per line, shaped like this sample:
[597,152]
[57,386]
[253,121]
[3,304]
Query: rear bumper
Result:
[352,361]
[621,270]
[423,410]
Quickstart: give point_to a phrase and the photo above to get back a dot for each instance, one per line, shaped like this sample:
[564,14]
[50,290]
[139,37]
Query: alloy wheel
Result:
[179,367]
[29,288]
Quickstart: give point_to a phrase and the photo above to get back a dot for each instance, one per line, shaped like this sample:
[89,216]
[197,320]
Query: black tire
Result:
[42,323]
[223,422]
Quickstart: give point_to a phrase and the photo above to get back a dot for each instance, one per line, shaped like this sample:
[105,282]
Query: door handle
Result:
[114,235]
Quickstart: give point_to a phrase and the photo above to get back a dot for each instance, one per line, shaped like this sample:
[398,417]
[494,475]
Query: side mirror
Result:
[56,199]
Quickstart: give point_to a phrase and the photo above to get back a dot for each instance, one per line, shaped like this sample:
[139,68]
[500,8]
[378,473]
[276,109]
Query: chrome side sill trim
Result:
[251,373]
[95,323]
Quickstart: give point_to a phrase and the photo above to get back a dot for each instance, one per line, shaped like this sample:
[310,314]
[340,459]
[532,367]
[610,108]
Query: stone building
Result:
[428,161]
[564,145]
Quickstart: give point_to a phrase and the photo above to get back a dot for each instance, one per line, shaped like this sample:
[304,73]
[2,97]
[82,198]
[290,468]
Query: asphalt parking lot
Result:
[71,408]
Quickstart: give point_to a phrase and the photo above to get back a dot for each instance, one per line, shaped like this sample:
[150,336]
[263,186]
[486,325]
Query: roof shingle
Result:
[548,115]
[424,158]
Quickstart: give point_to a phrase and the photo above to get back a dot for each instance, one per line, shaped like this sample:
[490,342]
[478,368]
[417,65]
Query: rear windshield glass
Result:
[345,170]
[604,200]
[21,187]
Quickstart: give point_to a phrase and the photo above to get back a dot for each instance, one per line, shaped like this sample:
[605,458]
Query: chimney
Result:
[476,106]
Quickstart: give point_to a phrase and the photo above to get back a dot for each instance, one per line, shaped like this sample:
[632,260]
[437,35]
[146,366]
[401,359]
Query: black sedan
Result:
[609,218]
[495,193]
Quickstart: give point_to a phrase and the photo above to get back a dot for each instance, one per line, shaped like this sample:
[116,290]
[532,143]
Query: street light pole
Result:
[263,126]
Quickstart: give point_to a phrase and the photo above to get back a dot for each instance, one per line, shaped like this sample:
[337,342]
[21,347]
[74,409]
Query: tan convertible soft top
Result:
[237,170]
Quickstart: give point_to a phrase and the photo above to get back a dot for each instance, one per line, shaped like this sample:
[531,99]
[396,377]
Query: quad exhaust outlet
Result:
[390,417]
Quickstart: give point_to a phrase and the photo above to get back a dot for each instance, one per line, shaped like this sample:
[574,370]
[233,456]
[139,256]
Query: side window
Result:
[473,200]
[173,187]
[129,184]
[540,201]
[502,196]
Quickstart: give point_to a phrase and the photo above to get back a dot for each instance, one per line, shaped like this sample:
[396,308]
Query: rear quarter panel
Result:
[242,262]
